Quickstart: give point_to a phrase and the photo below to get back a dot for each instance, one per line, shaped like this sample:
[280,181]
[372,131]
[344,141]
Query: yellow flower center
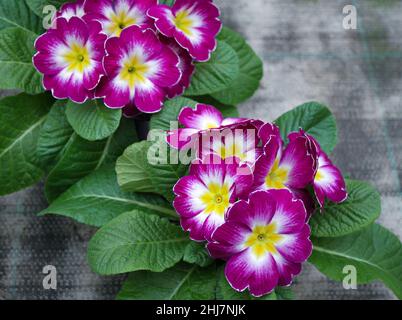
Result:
[134,71]
[216,199]
[319,176]
[77,58]
[119,21]
[277,177]
[263,239]
[233,150]
[183,22]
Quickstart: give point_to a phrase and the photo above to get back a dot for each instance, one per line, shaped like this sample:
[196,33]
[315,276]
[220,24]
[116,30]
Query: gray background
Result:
[307,56]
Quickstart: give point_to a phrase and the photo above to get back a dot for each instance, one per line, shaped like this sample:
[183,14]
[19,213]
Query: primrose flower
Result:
[139,68]
[239,141]
[116,15]
[264,241]
[328,180]
[195,121]
[186,67]
[204,196]
[70,57]
[294,168]
[193,23]
[72,9]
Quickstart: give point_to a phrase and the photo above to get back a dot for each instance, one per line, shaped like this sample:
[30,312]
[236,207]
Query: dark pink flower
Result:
[70,58]
[116,15]
[139,69]
[193,23]
[264,241]
[204,196]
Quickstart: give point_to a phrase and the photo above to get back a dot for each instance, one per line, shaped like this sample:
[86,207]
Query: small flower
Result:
[264,241]
[73,9]
[70,57]
[294,168]
[193,23]
[203,197]
[195,121]
[116,15]
[328,180]
[186,67]
[139,68]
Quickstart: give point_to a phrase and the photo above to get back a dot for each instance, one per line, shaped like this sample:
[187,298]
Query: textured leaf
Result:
[361,209]
[225,292]
[136,174]
[216,74]
[54,135]
[17,14]
[16,51]
[21,118]
[314,118]
[228,111]
[38,5]
[182,282]
[196,253]
[172,109]
[80,157]
[97,199]
[250,72]
[375,253]
[136,241]
[93,120]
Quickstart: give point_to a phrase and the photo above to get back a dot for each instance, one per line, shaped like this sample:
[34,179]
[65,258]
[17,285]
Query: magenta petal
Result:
[296,247]
[238,271]
[329,182]
[265,278]
[201,118]
[287,270]
[265,163]
[300,163]
[269,130]
[195,226]
[181,138]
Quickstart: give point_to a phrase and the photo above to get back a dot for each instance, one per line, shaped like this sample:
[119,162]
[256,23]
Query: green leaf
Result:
[38,5]
[16,51]
[361,209]
[135,173]
[216,74]
[81,157]
[54,135]
[17,14]
[173,107]
[375,253]
[97,199]
[169,3]
[93,120]
[196,253]
[182,282]
[21,118]
[250,72]
[225,292]
[136,241]
[314,118]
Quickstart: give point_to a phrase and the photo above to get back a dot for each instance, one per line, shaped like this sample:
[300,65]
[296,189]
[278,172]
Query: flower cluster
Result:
[250,196]
[131,53]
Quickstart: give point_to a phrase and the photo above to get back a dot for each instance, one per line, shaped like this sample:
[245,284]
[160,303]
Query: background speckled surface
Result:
[307,56]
